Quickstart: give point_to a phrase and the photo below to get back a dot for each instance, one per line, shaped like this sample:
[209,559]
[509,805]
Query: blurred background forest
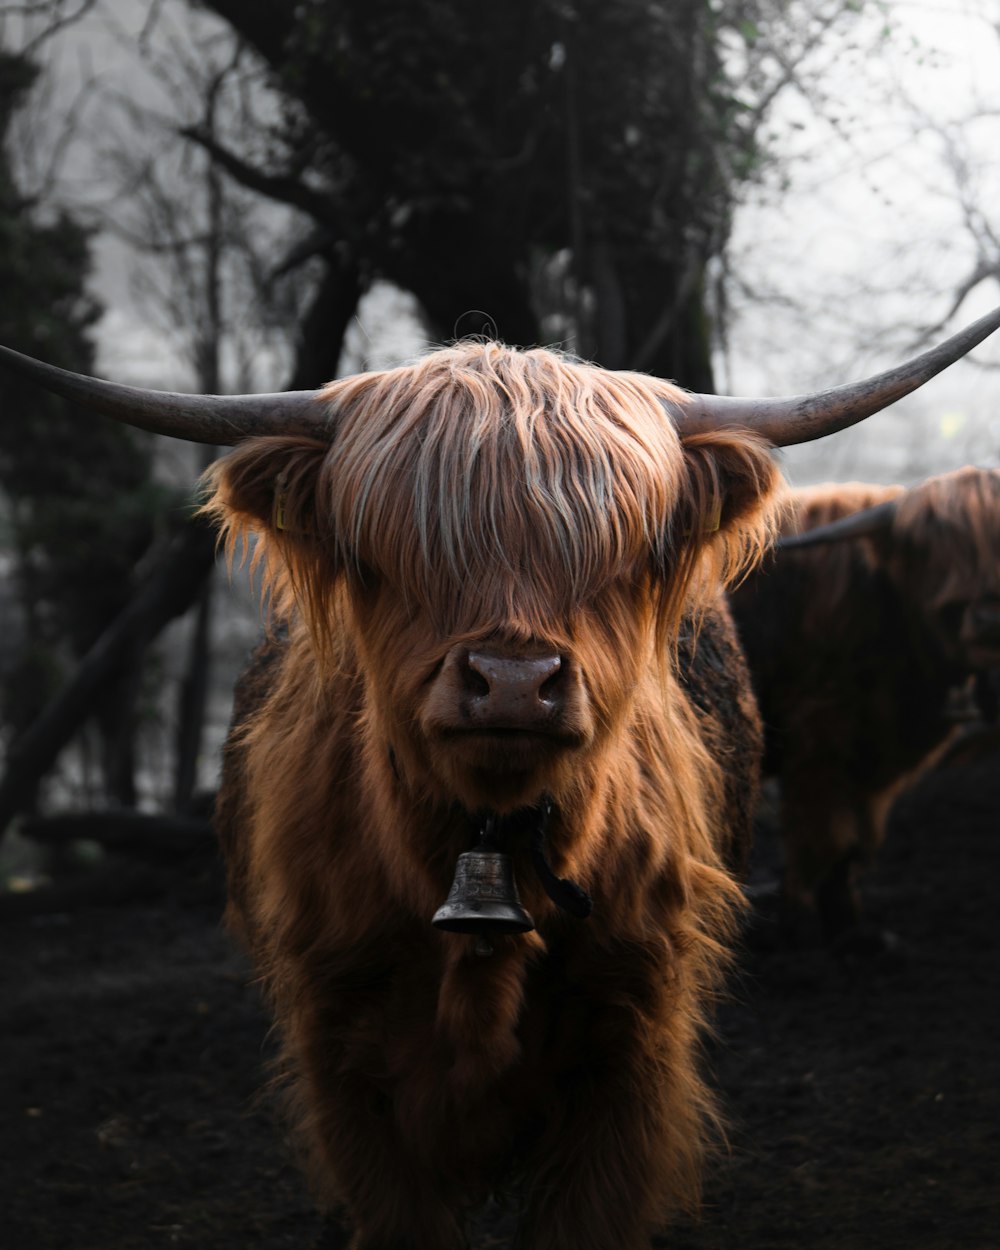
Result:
[760,197]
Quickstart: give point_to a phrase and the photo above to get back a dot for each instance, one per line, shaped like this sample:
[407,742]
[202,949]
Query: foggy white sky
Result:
[867,237]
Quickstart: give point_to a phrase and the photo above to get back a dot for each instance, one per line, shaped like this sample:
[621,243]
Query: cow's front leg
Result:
[626,1125]
[392,1198]
[831,831]
[821,823]
[391,1193]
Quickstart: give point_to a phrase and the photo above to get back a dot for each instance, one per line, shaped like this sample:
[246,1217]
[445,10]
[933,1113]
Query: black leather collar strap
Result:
[534,821]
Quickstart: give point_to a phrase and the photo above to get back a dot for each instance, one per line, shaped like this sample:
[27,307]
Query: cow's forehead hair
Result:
[482,461]
[949,526]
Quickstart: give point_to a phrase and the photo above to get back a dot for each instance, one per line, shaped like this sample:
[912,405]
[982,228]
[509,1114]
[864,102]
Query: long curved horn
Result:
[219,419]
[805,417]
[854,525]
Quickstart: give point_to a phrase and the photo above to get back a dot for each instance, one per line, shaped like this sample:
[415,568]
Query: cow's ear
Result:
[732,479]
[269,485]
[273,489]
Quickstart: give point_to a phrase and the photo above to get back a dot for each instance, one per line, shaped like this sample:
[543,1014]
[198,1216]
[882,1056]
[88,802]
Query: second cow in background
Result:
[879,604]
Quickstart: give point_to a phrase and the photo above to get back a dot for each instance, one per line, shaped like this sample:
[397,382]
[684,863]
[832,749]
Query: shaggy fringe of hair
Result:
[536,480]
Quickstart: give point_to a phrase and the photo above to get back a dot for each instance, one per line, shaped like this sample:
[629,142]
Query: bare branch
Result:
[274,186]
[149,25]
[59,21]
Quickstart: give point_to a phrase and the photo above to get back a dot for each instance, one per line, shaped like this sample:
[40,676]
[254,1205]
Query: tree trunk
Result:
[153,838]
[193,702]
[321,335]
[171,588]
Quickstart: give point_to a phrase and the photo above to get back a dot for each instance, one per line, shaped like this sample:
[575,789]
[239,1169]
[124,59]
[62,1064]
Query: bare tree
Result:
[38,21]
[206,274]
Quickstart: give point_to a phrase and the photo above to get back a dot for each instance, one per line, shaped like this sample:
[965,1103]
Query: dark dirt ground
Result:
[864,1089]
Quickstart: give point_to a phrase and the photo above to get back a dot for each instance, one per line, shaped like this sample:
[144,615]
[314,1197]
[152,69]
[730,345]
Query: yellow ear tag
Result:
[280,500]
[713,522]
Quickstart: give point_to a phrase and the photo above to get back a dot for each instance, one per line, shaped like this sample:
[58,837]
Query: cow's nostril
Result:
[551,687]
[475,681]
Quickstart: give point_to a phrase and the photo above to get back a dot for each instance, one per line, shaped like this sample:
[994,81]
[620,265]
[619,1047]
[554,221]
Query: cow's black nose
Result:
[514,692]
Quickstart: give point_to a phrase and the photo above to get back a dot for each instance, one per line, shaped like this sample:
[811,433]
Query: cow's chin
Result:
[503,769]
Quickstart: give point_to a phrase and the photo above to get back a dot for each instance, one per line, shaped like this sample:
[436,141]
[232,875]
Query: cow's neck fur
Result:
[616,828]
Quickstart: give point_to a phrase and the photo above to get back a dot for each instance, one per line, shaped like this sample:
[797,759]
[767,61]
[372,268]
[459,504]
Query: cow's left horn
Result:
[219,419]
[805,417]
[854,525]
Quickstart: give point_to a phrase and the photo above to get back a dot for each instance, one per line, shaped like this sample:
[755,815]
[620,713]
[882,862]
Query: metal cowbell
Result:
[483,898]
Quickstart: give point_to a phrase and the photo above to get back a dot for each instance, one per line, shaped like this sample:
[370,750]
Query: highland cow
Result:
[495,577]
[860,633]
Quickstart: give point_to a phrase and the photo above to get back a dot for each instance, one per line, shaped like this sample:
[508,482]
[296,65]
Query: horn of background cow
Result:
[218,419]
[802,418]
[856,525]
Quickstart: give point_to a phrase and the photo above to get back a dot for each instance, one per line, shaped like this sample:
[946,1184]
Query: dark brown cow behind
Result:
[857,645]
[496,576]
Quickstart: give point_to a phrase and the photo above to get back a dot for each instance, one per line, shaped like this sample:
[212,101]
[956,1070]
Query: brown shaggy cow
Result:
[496,581]
[481,509]
[857,638]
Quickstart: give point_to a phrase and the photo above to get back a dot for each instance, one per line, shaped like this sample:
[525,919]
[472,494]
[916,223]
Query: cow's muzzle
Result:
[498,692]
[507,694]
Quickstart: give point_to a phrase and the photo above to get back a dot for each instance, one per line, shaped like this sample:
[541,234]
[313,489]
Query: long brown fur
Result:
[487,493]
[855,647]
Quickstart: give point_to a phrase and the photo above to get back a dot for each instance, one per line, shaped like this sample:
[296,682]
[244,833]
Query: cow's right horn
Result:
[784,422]
[219,419]
[856,525]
